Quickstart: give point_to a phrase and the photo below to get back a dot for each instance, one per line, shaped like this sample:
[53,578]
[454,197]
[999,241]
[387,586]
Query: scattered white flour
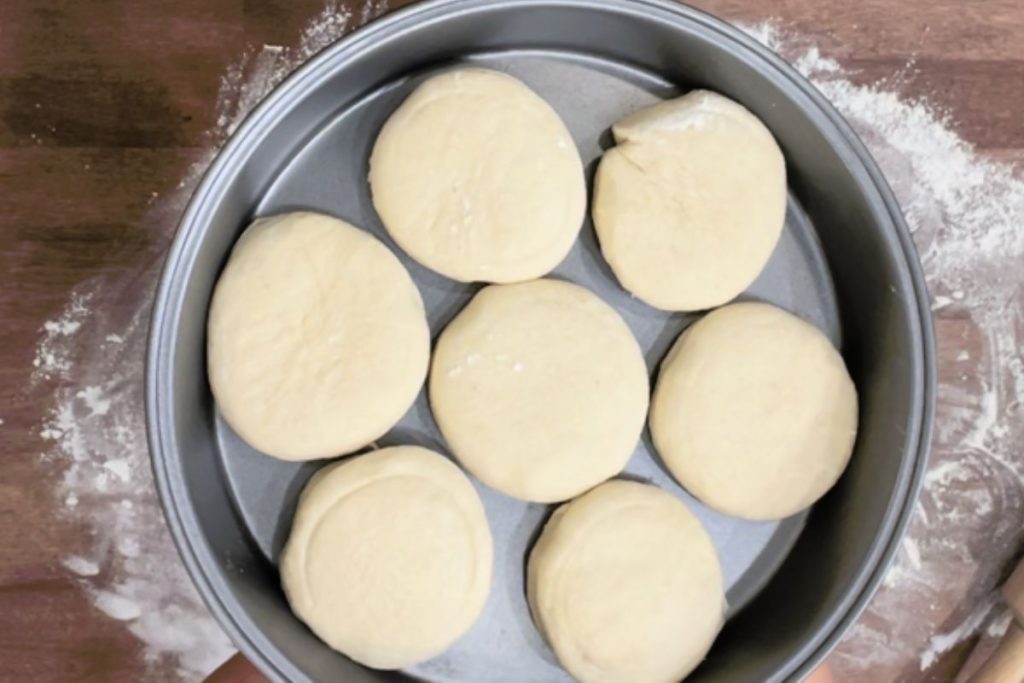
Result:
[117,606]
[94,433]
[1000,625]
[966,213]
[246,83]
[967,217]
[52,358]
[81,566]
[942,642]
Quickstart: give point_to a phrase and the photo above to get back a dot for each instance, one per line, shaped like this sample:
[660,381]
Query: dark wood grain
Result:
[105,104]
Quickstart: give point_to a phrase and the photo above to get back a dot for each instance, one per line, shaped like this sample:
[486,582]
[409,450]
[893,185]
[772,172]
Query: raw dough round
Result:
[754,412]
[477,178]
[540,389]
[690,204]
[625,586]
[389,559]
[317,338]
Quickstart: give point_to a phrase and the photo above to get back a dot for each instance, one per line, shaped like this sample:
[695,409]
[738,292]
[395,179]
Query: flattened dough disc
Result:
[317,338]
[540,389]
[389,558]
[690,203]
[476,177]
[754,412]
[625,585]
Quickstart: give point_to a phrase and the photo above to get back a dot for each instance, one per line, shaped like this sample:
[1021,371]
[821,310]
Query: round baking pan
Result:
[845,262]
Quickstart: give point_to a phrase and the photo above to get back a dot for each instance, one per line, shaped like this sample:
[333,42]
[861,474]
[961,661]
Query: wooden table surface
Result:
[103,104]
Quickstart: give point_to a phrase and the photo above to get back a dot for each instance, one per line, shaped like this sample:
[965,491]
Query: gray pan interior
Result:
[844,263]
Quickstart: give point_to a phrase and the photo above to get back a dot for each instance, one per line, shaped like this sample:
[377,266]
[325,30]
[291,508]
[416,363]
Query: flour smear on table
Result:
[966,214]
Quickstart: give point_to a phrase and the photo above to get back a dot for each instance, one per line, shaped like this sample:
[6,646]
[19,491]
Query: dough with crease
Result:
[476,177]
[389,557]
[540,389]
[690,203]
[754,412]
[625,585]
[317,338]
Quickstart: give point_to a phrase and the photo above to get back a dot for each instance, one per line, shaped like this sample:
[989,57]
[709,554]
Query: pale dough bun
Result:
[625,586]
[317,338]
[389,558]
[754,412]
[477,178]
[689,205]
[540,389]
